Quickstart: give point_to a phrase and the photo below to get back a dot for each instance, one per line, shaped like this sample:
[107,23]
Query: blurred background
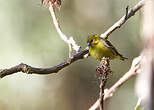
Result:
[27,35]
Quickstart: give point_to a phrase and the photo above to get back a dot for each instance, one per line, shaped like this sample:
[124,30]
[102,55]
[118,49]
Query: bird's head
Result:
[93,40]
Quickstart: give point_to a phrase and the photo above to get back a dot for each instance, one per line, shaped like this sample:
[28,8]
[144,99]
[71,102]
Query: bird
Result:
[100,47]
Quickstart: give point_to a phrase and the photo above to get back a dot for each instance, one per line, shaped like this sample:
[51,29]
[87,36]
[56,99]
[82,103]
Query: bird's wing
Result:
[111,47]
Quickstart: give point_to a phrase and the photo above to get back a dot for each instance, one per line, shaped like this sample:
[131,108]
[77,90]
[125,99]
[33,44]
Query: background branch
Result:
[145,80]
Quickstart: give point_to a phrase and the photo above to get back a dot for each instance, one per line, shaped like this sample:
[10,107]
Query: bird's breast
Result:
[100,50]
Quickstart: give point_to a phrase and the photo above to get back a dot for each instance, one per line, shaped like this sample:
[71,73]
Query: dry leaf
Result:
[53,2]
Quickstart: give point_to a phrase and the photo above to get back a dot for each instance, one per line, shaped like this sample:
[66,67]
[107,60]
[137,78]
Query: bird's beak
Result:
[88,44]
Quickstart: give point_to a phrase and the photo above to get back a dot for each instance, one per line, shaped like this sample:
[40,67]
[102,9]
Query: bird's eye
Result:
[91,40]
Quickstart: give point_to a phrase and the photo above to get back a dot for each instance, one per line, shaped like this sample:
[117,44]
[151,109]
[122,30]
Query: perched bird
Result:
[99,48]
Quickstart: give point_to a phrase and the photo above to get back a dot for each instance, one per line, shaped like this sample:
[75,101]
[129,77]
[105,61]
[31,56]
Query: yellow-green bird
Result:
[99,48]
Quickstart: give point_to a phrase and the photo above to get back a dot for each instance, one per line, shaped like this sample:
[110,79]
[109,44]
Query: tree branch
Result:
[70,41]
[32,70]
[119,23]
[135,68]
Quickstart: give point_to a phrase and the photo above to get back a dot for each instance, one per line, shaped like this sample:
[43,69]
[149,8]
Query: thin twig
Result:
[71,43]
[135,68]
[126,15]
[119,23]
